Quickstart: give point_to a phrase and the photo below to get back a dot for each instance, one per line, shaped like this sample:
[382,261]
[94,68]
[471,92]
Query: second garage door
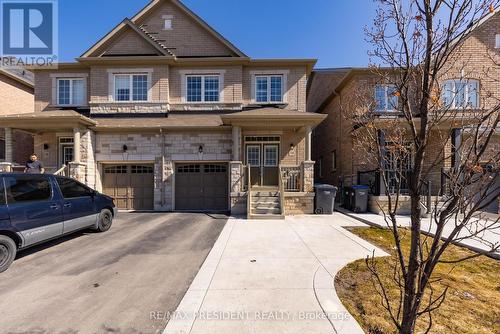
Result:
[130,185]
[201,187]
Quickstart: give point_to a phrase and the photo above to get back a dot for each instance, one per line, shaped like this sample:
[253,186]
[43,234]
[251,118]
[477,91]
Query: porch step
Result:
[266,211]
[265,194]
[266,216]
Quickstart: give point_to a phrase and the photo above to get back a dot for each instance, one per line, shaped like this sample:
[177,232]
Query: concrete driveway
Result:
[107,283]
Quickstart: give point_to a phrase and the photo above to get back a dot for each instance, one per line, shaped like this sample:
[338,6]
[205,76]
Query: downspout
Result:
[162,188]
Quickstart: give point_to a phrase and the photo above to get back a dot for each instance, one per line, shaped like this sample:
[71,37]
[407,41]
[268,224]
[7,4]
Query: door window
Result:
[73,189]
[271,156]
[253,155]
[27,189]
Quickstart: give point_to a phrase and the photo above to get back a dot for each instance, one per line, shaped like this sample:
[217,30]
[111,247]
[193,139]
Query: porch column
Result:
[236,143]
[8,144]
[308,143]
[381,143]
[76,145]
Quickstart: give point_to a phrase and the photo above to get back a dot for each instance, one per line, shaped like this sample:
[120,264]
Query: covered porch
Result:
[61,141]
[271,172]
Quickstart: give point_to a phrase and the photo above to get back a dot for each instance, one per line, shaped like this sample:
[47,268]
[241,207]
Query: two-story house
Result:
[164,113]
[470,84]
[16,97]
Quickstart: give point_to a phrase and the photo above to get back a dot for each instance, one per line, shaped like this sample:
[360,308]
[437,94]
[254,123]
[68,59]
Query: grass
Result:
[472,304]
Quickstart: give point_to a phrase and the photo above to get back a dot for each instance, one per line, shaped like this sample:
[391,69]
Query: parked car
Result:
[38,208]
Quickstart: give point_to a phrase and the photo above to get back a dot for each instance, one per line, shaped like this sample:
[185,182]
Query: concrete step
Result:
[265,206]
[265,193]
[275,200]
[264,211]
[259,216]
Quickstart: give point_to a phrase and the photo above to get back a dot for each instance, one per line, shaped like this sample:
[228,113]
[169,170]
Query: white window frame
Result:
[202,73]
[386,96]
[71,97]
[453,106]
[497,41]
[273,146]
[260,155]
[130,71]
[270,73]
[68,76]
[168,22]
[131,86]
[203,78]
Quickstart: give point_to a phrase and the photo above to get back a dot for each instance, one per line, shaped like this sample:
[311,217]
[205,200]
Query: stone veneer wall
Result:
[147,147]
[299,204]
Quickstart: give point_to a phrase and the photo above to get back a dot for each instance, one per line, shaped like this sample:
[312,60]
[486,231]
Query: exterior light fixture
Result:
[125,148]
[200,149]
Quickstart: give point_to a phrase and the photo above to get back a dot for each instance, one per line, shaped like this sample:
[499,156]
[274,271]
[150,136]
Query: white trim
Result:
[269,73]
[202,73]
[71,80]
[386,98]
[260,154]
[466,93]
[497,41]
[277,147]
[55,92]
[111,84]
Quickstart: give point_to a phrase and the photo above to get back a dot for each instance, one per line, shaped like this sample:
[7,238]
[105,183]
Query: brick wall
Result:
[16,98]
[187,37]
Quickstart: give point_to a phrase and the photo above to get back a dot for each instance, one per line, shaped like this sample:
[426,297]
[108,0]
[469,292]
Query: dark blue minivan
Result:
[35,208]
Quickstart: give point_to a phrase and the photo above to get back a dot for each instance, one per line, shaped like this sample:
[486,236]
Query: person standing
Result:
[33,166]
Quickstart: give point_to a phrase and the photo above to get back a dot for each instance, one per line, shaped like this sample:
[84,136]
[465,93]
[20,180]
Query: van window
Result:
[73,189]
[27,188]
[2,192]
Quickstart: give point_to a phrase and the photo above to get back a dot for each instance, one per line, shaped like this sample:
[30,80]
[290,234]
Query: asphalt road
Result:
[107,282]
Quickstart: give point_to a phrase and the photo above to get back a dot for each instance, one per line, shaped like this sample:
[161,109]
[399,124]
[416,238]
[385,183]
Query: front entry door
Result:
[263,161]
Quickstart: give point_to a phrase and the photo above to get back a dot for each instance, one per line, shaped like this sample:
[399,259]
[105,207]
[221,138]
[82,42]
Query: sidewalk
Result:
[472,243]
[273,277]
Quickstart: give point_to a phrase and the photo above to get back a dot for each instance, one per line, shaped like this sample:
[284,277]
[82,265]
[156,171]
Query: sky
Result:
[328,30]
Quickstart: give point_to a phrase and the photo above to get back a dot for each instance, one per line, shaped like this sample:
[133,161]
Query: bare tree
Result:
[417,44]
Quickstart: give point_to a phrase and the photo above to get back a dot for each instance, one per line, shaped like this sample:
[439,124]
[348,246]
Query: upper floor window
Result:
[497,41]
[70,91]
[269,88]
[202,88]
[131,87]
[460,93]
[386,98]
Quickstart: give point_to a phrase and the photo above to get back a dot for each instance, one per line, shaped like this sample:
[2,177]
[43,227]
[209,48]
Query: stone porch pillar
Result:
[76,145]
[308,143]
[8,145]
[236,143]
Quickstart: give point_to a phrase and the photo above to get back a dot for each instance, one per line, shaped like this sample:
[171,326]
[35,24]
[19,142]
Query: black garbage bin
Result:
[346,198]
[359,198]
[325,198]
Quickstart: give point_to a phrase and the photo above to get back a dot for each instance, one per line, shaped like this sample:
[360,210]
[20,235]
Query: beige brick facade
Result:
[16,97]
[340,95]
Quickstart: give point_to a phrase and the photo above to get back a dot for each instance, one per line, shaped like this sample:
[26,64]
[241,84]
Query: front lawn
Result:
[472,304]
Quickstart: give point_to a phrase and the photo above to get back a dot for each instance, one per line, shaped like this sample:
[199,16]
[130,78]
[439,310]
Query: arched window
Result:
[461,94]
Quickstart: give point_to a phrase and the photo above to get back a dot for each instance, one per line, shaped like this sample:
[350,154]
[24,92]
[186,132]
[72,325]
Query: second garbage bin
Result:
[325,198]
[359,198]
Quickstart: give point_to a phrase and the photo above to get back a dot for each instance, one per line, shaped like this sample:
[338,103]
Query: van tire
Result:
[105,220]
[8,251]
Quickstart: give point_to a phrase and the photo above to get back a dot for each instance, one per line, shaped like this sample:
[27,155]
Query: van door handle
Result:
[54,206]
[67,205]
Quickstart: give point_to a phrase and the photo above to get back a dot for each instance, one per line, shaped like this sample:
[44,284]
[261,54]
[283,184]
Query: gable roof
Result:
[153,4]
[132,23]
[127,23]
[22,76]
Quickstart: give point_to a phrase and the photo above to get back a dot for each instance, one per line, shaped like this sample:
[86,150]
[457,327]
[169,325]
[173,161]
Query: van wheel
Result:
[105,220]
[8,252]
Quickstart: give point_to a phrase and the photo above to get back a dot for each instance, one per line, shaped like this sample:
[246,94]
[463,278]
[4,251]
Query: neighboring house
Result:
[16,97]
[164,113]
[337,92]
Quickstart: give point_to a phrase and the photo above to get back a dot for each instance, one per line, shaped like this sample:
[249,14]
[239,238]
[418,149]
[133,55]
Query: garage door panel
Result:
[201,187]
[130,185]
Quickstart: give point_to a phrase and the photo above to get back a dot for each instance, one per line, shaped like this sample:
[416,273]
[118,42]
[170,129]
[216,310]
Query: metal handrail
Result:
[249,193]
[281,190]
